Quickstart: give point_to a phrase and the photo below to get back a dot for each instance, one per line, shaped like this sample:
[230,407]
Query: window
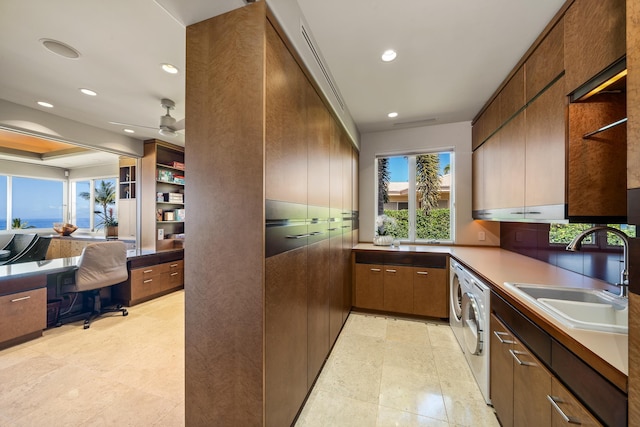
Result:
[89,200]
[414,196]
[564,233]
[35,203]
[3,202]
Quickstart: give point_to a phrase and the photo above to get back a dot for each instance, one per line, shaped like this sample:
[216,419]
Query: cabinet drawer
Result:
[145,273]
[176,273]
[23,313]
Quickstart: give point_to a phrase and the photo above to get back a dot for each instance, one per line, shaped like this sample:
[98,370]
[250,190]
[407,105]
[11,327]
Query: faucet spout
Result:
[576,245]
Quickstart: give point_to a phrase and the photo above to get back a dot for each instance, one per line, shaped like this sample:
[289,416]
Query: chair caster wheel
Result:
[86,325]
[125,313]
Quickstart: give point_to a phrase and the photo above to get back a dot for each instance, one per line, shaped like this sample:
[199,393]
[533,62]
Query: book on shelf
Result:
[179,214]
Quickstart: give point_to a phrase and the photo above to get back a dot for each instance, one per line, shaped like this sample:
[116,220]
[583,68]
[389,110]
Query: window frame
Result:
[9,200]
[412,199]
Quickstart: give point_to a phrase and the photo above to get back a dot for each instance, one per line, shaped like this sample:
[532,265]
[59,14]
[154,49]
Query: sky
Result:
[399,168]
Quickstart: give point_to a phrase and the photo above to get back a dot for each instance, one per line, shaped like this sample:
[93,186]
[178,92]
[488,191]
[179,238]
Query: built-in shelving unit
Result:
[163,205]
[127,193]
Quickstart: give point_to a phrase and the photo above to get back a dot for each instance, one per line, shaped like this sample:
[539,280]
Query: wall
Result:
[437,137]
[9,167]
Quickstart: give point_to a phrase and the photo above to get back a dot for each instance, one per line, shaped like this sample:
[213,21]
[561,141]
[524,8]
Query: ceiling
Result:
[452,55]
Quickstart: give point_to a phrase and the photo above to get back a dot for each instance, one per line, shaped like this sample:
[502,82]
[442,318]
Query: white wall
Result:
[437,137]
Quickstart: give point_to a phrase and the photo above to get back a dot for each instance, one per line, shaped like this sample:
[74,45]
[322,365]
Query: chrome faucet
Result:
[576,245]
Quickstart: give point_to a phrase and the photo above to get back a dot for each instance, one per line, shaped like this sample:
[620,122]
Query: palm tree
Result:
[17,223]
[104,195]
[446,169]
[384,176]
[428,181]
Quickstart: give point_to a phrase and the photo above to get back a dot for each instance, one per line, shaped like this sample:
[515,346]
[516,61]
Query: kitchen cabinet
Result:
[398,289]
[406,283]
[537,360]
[511,98]
[523,391]
[430,297]
[594,38]
[22,314]
[163,185]
[150,277]
[546,62]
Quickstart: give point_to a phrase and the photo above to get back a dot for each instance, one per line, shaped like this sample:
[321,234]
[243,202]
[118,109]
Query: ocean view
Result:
[43,222]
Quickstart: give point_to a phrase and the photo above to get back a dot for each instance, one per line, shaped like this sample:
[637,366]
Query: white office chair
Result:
[101,265]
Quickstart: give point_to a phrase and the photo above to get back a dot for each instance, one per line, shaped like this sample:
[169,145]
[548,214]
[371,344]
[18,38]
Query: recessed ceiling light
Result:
[389,55]
[171,69]
[60,48]
[45,104]
[130,131]
[392,115]
[88,92]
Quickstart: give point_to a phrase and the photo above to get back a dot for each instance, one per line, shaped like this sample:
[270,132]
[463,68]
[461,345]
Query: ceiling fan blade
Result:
[129,124]
[179,125]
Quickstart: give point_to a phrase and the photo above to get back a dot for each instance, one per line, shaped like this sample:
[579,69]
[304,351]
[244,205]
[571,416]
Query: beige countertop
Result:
[497,266]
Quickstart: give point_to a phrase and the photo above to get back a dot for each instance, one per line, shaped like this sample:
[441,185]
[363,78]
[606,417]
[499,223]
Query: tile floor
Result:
[130,372]
[385,371]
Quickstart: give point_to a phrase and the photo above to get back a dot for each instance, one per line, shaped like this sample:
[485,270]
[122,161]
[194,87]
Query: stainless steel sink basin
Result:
[591,309]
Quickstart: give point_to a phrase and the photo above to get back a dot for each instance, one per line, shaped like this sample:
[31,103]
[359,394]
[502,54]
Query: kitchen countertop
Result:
[606,352]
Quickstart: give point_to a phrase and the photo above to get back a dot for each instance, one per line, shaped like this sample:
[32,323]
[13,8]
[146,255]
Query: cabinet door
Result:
[567,410]
[285,336]
[430,292]
[501,372]
[318,279]
[595,37]
[398,289]
[478,202]
[545,150]
[531,385]
[369,286]
[512,96]
[126,218]
[546,62]
[23,313]
[511,170]
[492,172]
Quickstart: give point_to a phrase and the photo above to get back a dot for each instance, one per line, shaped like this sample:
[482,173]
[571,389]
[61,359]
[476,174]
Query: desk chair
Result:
[100,265]
[18,244]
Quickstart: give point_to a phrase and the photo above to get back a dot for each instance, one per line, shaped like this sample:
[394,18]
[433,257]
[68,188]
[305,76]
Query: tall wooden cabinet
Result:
[163,202]
[267,273]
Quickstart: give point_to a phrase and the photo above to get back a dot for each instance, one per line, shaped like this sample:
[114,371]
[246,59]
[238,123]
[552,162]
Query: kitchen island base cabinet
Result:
[23,315]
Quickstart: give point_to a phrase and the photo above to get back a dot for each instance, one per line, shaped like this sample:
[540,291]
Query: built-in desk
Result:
[23,289]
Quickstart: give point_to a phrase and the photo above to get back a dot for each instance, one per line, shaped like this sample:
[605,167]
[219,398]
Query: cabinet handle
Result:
[517,213]
[174,274]
[423,273]
[499,335]
[554,402]
[148,271]
[390,271]
[173,265]
[515,354]
[332,229]
[148,281]
[377,270]
[21,299]
[297,236]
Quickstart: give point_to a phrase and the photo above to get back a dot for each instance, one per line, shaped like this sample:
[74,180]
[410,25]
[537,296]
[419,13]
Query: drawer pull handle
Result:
[148,281]
[390,271]
[423,273]
[515,354]
[499,335]
[554,402]
[21,299]
[173,265]
[148,271]
[297,236]
[174,274]
[377,270]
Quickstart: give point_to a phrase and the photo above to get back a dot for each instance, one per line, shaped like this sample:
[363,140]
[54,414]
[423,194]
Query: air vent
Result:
[415,123]
[307,37]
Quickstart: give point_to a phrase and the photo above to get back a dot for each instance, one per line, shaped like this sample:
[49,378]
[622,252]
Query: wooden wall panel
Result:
[594,37]
[224,302]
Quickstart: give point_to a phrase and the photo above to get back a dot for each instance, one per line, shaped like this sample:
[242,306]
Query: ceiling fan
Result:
[169,126]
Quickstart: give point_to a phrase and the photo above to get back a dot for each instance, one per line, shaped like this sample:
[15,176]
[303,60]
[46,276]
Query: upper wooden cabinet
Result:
[511,98]
[594,38]
[546,62]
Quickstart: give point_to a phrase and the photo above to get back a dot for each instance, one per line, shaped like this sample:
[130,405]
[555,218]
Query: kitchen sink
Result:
[591,309]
